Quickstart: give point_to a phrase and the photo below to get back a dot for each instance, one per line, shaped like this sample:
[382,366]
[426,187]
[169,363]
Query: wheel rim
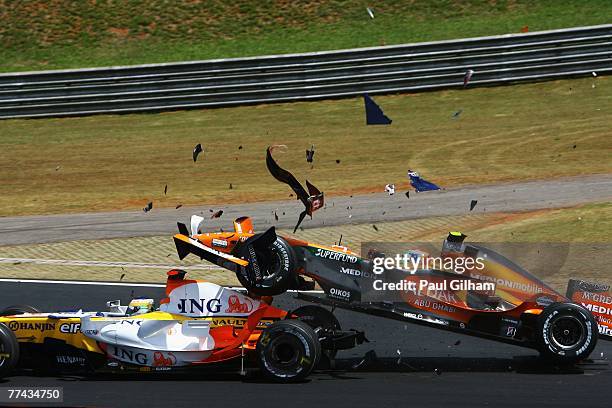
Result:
[567,332]
[285,351]
[3,355]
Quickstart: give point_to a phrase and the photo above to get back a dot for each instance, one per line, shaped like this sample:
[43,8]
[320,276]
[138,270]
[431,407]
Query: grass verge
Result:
[532,131]
[47,34]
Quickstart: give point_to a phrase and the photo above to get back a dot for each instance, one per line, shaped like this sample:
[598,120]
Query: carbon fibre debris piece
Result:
[196,152]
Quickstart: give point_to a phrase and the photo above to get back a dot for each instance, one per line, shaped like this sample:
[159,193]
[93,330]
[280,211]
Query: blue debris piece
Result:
[374,114]
[420,184]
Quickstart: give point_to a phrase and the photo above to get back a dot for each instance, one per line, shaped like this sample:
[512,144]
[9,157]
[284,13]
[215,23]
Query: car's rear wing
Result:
[597,299]
[186,245]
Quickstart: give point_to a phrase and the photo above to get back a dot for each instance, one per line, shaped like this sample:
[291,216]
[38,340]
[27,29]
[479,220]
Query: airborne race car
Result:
[513,307]
[199,323]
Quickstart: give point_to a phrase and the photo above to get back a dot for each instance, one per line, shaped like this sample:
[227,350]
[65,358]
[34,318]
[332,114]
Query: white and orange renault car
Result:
[196,325]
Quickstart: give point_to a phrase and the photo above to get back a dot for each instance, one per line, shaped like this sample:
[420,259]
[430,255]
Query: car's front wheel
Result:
[271,270]
[9,350]
[288,351]
[567,333]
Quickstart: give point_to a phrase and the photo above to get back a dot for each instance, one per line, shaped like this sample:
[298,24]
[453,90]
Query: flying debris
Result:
[374,114]
[57,168]
[122,276]
[467,77]
[367,359]
[337,161]
[458,342]
[407,194]
[438,371]
[375,227]
[594,74]
[456,114]
[217,214]
[370,12]
[420,184]
[196,152]
[178,206]
[240,147]
[149,207]
[573,147]
[524,29]
[473,204]
[390,188]
[310,154]
[275,216]
[312,200]
[230,186]
[165,189]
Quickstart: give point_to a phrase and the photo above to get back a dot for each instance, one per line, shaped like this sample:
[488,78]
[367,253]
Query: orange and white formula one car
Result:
[199,323]
[497,300]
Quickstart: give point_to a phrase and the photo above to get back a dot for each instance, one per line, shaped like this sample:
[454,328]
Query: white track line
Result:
[96,283]
[75,262]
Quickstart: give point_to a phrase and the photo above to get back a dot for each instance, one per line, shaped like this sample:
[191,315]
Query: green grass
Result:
[47,34]
[122,162]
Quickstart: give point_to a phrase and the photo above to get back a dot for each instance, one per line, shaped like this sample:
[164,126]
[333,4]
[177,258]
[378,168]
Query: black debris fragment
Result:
[275,216]
[438,371]
[196,151]
[310,154]
[240,147]
[473,204]
[166,189]
[149,207]
[456,114]
[217,214]
[337,161]
[407,194]
[313,199]
[458,342]
[230,186]
[375,227]
[122,276]
[367,359]
[178,206]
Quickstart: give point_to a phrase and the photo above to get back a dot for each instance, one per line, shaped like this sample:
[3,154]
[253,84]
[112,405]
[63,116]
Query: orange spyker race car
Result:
[197,324]
[497,300]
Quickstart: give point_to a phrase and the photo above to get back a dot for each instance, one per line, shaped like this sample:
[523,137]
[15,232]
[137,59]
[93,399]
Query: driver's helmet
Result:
[140,306]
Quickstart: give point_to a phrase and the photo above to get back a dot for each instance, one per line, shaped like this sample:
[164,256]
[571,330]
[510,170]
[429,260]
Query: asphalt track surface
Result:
[378,207]
[433,370]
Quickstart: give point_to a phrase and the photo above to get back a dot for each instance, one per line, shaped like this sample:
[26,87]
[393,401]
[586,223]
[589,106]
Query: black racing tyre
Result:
[566,333]
[276,264]
[9,351]
[288,351]
[320,318]
[18,309]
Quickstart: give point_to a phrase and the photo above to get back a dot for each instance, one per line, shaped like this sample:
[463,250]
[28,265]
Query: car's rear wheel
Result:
[9,351]
[566,333]
[275,266]
[18,309]
[288,351]
[320,319]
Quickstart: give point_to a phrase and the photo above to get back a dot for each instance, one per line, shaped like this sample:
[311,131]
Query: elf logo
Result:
[70,328]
